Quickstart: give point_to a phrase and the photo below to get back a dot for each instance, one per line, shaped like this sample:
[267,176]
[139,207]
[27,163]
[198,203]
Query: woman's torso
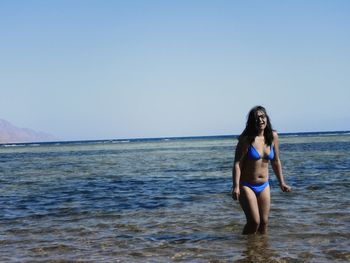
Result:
[254,167]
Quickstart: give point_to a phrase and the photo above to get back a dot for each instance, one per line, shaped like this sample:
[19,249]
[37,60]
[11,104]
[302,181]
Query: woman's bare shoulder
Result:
[275,137]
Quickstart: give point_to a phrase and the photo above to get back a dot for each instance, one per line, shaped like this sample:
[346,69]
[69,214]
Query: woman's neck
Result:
[260,133]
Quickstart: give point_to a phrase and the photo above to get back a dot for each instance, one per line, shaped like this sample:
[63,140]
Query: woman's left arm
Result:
[277,166]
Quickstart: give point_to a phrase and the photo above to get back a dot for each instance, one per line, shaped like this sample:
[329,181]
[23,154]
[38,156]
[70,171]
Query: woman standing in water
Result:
[257,145]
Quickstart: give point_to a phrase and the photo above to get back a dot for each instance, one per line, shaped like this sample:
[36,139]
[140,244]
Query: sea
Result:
[168,200]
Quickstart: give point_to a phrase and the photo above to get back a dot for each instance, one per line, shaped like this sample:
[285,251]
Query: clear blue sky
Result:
[126,69]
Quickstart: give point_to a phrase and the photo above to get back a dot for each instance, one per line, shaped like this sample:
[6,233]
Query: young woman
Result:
[257,145]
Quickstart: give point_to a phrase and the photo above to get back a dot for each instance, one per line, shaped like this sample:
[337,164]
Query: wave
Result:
[13,145]
[123,141]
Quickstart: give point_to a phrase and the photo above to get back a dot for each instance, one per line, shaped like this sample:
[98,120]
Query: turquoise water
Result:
[169,201]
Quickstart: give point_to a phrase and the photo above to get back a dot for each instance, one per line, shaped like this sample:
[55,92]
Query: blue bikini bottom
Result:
[257,188]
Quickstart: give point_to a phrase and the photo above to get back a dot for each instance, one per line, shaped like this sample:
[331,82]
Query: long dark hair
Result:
[251,130]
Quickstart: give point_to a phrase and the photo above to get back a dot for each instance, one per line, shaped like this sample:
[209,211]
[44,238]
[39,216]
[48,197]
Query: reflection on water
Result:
[169,201]
[257,250]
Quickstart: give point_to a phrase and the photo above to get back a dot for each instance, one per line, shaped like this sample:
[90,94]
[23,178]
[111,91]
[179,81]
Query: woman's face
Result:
[261,120]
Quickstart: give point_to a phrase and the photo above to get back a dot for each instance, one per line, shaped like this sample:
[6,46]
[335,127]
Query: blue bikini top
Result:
[254,155]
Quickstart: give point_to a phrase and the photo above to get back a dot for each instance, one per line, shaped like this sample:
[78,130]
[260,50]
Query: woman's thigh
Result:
[264,201]
[249,204]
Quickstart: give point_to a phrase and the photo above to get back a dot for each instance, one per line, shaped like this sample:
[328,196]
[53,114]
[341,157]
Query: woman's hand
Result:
[235,193]
[285,188]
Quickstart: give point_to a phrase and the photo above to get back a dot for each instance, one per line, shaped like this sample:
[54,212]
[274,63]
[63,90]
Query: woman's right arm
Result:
[236,169]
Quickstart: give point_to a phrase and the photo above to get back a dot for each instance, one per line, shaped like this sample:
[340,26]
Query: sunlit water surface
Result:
[169,201]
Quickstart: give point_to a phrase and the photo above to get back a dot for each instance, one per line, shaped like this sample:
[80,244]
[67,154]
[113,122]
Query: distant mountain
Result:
[12,134]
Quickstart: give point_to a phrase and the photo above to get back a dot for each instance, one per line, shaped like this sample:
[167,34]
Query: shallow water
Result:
[169,201]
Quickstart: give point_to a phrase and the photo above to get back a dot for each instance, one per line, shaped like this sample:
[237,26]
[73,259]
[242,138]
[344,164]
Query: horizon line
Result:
[135,139]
